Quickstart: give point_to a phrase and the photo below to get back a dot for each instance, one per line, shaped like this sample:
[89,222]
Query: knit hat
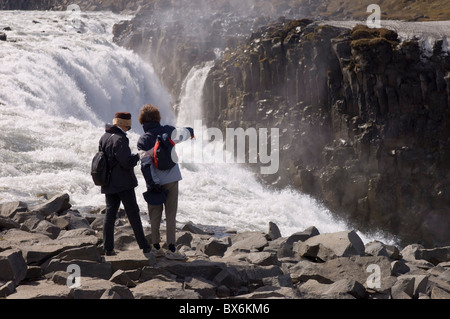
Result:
[122,119]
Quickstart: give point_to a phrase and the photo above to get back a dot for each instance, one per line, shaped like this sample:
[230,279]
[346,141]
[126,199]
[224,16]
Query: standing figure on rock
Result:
[122,182]
[162,174]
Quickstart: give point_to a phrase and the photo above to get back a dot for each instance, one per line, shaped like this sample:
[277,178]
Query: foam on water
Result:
[60,86]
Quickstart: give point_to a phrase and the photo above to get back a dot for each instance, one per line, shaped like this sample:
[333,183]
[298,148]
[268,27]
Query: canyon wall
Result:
[365,120]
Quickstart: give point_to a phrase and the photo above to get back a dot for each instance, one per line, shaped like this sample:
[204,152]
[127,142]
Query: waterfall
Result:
[59,86]
[191,95]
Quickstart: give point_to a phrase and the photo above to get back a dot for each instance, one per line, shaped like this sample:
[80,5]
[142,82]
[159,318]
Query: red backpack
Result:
[164,155]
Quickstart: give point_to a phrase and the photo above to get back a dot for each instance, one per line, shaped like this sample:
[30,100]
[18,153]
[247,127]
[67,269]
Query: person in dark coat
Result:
[122,183]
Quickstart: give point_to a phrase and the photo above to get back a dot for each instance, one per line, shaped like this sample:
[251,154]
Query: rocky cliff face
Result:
[365,120]
[176,36]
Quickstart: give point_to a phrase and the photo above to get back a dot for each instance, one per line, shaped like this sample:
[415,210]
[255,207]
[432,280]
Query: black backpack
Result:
[162,153]
[100,170]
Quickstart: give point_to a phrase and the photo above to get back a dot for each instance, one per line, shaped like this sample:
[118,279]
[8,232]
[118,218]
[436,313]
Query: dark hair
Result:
[149,113]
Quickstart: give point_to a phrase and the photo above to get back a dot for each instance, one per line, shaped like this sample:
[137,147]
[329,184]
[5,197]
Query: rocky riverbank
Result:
[40,244]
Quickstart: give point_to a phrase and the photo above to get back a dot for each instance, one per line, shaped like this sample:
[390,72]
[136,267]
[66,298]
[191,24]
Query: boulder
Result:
[416,252]
[60,277]
[161,289]
[33,273]
[376,248]
[205,288]
[47,228]
[303,235]
[62,222]
[213,247]
[253,274]
[43,250]
[94,288]
[7,288]
[41,289]
[56,204]
[184,238]
[66,235]
[246,242]
[403,288]
[271,292]
[420,284]
[8,223]
[130,259]
[278,281]
[399,267]
[87,268]
[285,246]
[150,272]
[9,209]
[330,245]
[18,238]
[97,223]
[358,268]
[121,278]
[31,223]
[12,266]
[197,268]
[341,289]
[192,228]
[434,255]
[88,252]
[21,217]
[262,258]
[439,293]
[274,231]
[75,220]
[110,294]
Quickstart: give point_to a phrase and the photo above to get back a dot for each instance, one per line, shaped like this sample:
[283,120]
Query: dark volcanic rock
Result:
[366,117]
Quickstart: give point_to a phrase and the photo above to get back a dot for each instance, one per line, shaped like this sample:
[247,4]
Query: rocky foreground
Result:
[42,247]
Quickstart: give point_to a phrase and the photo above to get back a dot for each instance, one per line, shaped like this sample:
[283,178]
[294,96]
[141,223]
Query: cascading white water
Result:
[59,86]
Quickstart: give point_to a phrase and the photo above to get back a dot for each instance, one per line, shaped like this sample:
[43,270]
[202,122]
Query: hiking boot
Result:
[110,253]
[157,252]
[175,255]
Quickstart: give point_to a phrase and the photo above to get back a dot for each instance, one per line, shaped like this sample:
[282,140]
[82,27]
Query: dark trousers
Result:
[128,198]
